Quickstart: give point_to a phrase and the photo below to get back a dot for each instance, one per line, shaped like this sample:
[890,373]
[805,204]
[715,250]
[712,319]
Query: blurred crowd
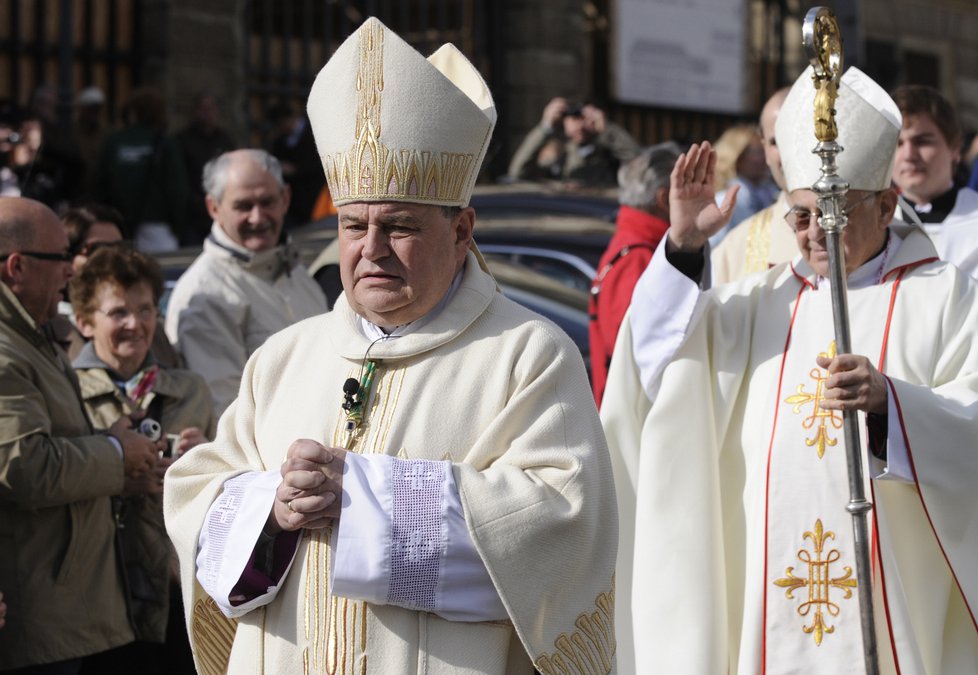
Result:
[139,166]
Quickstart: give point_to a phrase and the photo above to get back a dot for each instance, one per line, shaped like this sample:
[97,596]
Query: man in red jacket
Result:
[642,222]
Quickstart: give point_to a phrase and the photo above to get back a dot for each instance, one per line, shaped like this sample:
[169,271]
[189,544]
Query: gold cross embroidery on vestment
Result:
[819,582]
[825,418]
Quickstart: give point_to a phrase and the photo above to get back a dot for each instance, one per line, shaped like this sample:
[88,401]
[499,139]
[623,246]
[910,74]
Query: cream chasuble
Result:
[743,557]
[490,387]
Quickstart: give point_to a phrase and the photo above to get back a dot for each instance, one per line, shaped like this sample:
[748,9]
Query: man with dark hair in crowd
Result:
[200,141]
[295,148]
[927,155]
[141,173]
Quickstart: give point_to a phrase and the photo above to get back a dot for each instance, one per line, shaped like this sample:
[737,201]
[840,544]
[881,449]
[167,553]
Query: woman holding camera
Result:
[115,297]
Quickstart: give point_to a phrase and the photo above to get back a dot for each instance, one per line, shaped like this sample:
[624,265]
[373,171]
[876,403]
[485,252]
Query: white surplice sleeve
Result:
[402,540]
[228,539]
[668,300]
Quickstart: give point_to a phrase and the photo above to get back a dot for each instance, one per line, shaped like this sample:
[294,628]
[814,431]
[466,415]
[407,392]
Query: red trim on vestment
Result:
[770,447]
[903,269]
[804,280]
[920,494]
[874,535]
[882,575]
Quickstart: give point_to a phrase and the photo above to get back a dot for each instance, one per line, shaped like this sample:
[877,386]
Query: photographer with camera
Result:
[115,297]
[576,143]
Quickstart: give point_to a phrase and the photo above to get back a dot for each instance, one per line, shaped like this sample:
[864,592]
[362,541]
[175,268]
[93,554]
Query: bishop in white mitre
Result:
[417,481]
[723,412]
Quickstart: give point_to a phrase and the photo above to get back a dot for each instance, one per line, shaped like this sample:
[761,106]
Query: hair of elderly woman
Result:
[729,147]
[117,266]
[641,177]
[215,175]
[79,220]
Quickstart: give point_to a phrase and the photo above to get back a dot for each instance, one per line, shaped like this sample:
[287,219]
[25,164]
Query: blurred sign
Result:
[688,54]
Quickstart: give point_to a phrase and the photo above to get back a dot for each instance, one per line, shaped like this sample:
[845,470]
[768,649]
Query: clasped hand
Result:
[312,483]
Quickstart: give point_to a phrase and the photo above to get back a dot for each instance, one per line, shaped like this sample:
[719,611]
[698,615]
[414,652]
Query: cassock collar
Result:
[937,210]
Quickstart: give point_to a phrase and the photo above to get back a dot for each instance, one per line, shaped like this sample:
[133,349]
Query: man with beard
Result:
[247,283]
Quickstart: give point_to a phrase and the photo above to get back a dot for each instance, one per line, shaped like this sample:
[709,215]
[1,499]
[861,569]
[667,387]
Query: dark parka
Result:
[58,568]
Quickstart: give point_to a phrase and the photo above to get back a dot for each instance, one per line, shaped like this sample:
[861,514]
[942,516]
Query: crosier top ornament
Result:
[824,42]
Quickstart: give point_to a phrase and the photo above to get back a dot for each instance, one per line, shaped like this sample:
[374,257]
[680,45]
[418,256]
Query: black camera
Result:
[574,110]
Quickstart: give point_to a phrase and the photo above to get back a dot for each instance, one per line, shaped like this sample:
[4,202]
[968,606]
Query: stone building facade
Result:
[254,53]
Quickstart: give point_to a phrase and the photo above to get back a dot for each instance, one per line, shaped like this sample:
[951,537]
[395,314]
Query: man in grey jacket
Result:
[247,284]
[58,568]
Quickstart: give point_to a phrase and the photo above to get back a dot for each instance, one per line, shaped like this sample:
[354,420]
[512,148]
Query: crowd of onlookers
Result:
[122,193]
[138,165]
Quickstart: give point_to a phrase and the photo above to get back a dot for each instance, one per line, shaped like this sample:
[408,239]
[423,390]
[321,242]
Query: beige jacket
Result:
[147,550]
[229,302]
[58,569]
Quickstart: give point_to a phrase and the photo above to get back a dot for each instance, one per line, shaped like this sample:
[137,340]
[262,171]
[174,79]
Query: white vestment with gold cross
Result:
[486,384]
[743,550]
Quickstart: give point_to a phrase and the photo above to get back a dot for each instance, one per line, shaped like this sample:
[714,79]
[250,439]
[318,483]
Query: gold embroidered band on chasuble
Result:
[391,125]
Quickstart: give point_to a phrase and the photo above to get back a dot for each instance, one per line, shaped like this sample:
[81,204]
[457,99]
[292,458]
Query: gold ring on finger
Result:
[289,505]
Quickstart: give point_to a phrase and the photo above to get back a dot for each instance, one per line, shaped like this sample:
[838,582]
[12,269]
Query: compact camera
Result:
[153,430]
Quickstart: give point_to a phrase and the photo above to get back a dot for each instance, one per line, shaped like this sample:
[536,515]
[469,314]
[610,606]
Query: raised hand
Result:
[693,214]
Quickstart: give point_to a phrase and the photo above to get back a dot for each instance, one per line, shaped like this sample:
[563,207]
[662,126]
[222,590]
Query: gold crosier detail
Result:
[825,418]
[372,169]
[828,49]
[591,648]
[819,582]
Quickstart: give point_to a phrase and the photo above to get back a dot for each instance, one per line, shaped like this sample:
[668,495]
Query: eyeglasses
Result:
[121,314]
[63,256]
[799,219]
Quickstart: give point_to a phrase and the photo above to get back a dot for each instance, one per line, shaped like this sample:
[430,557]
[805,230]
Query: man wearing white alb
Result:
[731,398]
[410,481]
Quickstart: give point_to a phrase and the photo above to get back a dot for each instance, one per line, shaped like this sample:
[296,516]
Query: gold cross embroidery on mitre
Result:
[825,418]
[819,582]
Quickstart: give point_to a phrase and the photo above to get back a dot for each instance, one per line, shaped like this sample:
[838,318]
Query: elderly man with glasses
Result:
[732,397]
[59,573]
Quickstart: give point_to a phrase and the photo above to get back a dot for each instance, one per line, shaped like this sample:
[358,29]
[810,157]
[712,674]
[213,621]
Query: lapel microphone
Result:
[353,387]
[350,390]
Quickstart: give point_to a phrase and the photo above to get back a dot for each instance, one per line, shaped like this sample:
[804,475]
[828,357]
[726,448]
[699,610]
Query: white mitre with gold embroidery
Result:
[391,125]
[869,126]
